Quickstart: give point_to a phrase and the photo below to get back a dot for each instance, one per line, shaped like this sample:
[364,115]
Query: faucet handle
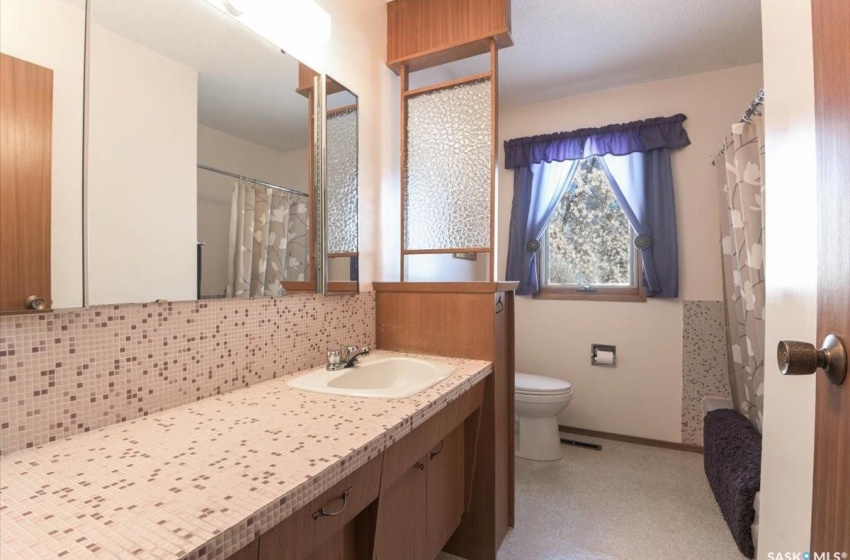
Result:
[334,357]
[350,350]
[364,351]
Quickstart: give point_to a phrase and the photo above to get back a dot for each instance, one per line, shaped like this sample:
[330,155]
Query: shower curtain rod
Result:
[250,180]
[755,104]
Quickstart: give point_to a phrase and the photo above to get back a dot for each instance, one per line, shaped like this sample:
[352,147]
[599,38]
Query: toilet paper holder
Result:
[603,355]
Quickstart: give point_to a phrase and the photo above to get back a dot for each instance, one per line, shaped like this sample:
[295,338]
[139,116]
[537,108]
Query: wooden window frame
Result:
[602,293]
[634,293]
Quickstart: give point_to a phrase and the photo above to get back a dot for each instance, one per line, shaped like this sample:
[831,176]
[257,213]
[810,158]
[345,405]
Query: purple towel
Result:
[733,467]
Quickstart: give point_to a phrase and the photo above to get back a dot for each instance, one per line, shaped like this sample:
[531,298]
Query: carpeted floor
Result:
[626,502]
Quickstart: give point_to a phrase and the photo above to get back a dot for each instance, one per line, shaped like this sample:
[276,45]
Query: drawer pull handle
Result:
[323,513]
[437,452]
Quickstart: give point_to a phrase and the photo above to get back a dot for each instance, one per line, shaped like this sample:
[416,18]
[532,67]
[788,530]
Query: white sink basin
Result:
[376,377]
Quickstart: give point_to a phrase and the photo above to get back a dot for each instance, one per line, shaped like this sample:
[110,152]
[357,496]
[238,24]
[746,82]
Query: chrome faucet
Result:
[345,358]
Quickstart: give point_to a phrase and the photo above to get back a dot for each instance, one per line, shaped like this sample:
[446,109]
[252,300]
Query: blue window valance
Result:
[615,139]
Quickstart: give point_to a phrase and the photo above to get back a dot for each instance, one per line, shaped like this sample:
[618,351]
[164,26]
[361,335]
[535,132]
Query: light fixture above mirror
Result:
[282,23]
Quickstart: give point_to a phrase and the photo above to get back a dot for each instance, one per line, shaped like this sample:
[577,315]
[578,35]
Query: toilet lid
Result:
[536,384]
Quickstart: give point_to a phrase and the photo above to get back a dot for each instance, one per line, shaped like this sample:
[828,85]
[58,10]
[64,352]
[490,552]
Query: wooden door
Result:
[446,492]
[831,498]
[26,124]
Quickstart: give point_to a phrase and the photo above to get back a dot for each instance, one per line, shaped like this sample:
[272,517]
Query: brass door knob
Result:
[35,303]
[802,358]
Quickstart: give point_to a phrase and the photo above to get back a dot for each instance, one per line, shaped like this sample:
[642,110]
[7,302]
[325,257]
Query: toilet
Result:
[539,399]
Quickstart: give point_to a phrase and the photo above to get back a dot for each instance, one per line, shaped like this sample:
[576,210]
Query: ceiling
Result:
[561,48]
[246,86]
[569,47]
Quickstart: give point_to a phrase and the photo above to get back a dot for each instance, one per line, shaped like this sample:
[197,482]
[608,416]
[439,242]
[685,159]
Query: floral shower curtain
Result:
[742,241]
[267,241]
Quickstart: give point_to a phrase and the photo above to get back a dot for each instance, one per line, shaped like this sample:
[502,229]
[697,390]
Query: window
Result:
[587,250]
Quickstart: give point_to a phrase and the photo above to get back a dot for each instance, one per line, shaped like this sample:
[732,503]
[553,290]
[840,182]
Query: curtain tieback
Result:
[643,242]
[532,246]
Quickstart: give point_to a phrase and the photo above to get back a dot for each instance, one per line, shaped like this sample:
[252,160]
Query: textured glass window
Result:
[342,181]
[588,241]
[447,172]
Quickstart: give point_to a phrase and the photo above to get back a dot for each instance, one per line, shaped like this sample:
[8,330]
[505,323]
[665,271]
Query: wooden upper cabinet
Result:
[426,33]
[305,81]
[26,125]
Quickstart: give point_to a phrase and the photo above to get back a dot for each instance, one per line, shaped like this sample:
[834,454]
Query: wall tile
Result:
[68,372]
[705,366]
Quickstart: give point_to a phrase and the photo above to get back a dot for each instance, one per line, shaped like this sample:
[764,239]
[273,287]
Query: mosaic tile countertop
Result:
[202,480]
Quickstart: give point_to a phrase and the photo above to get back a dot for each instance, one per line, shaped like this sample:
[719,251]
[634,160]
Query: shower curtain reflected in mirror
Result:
[742,240]
[268,241]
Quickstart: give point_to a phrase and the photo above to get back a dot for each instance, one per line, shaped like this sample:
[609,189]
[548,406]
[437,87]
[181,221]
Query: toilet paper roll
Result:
[604,357]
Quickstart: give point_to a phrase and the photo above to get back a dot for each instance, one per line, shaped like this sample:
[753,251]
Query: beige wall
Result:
[791,222]
[643,395]
[142,193]
[51,33]
[294,170]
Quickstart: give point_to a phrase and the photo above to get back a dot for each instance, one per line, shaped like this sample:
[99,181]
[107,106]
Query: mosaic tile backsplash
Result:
[705,367]
[69,372]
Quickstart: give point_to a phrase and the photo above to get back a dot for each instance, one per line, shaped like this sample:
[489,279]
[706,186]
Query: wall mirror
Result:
[41,154]
[199,155]
[341,250]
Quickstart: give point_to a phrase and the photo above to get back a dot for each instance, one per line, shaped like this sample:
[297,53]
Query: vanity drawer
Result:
[312,526]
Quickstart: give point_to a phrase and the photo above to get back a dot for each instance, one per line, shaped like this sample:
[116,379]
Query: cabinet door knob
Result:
[36,303]
[802,358]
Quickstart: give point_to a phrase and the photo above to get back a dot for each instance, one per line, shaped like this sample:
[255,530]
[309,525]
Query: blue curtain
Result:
[537,190]
[643,185]
[636,159]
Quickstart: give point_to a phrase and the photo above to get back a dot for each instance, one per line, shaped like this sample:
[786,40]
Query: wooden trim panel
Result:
[494,150]
[449,83]
[445,251]
[405,84]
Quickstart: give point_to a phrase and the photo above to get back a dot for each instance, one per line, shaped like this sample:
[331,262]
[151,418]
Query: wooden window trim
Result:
[630,294]
[636,294]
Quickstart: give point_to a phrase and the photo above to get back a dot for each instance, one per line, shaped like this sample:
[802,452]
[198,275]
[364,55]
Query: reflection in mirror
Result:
[41,154]
[199,150]
[342,188]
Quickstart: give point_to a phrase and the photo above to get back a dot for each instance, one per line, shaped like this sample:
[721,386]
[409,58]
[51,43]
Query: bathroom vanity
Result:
[265,472]
[404,503]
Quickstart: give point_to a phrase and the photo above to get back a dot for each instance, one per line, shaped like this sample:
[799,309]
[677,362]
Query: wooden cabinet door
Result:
[321,525]
[403,519]
[446,491]
[26,131]
[250,552]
